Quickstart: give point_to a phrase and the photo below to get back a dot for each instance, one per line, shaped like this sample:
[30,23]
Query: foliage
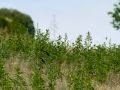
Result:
[4,79]
[18,81]
[37,82]
[115,16]
[18,17]
[84,63]
[3,22]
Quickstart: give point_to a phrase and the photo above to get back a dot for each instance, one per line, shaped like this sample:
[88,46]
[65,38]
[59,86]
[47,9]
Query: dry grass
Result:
[13,63]
[8,19]
[112,83]
[62,84]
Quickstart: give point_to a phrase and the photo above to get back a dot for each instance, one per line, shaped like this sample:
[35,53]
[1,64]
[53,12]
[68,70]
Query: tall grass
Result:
[75,66]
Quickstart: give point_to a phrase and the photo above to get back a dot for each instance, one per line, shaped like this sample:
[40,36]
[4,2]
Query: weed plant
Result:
[83,63]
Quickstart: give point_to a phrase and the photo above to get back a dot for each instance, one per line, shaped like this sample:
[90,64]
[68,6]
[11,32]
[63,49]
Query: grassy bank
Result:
[76,67]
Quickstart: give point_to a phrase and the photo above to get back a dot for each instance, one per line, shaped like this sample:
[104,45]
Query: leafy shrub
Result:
[84,62]
[18,17]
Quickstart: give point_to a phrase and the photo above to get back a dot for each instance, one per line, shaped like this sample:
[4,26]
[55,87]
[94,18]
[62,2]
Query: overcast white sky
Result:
[74,17]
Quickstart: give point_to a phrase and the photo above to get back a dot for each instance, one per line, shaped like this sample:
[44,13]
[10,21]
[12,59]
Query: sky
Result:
[74,17]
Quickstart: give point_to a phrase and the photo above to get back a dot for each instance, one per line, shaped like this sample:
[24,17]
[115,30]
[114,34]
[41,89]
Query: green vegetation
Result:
[16,18]
[116,16]
[75,66]
[3,22]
